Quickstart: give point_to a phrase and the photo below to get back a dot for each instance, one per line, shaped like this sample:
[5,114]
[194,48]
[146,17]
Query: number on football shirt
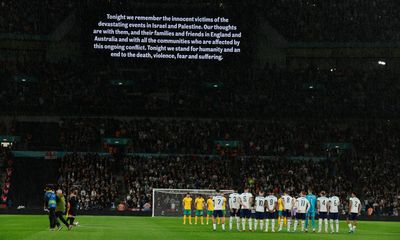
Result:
[271,201]
[244,199]
[323,202]
[288,200]
[335,203]
[219,201]
[303,203]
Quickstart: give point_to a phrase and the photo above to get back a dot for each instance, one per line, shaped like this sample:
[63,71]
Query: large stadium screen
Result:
[167,32]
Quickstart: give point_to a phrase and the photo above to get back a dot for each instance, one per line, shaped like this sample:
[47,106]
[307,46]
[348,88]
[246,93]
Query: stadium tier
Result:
[104,182]
[194,91]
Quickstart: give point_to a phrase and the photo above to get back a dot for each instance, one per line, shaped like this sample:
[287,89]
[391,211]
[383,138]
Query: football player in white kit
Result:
[219,202]
[322,211]
[260,210]
[246,200]
[272,207]
[302,205]
[288,204]
[354,212]
[333,209]
[234,206]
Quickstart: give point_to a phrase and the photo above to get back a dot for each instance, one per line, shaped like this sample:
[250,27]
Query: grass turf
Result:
[104,227]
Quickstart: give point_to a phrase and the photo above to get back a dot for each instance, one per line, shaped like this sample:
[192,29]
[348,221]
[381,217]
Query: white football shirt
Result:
[323,204]
[234,201]
[271,201]
[302,205]
[355,203]
[260,204]
[287,202]
[334,204]
[218,202]
[245,200]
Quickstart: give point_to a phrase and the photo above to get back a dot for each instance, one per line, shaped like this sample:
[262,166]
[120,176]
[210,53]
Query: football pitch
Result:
[112,227]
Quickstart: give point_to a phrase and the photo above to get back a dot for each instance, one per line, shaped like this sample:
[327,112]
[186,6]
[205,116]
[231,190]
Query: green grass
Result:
[110,228]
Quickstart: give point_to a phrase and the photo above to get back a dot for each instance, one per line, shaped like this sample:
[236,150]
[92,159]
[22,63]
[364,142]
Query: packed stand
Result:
[192,91]
[142,174]
[198,136]
[94,177]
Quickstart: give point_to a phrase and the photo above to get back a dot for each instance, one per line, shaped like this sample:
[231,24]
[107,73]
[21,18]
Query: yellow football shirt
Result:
[280,204]
[210,205]
[187,203]
[199,203]
[224,204]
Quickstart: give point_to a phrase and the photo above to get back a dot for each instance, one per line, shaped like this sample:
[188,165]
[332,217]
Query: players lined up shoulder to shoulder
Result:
[260,210]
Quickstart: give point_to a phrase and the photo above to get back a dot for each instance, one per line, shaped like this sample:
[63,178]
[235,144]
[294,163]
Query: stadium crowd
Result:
[194,92]
[142,174]
[374,148]
[197,136]
[94,177]
[278,173]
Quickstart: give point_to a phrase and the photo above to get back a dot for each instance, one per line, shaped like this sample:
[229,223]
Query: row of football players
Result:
[244,207]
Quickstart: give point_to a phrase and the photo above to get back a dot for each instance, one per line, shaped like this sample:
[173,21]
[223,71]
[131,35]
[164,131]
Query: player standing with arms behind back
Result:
[199,203]
[312,199]
[210,208]
[187,208]
[234,205]
[322,210]
[219,201]
[246,200]
[288,204]
[272,206]
[333,208]
[303,206]
[260,210]
[354,212]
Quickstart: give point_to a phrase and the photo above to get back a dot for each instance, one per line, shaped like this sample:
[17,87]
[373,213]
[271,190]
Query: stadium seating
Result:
[143,173]
[67,87]
[95,178]
[289,122]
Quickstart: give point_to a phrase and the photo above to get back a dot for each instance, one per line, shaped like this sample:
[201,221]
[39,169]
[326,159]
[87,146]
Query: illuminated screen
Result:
[167,33]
